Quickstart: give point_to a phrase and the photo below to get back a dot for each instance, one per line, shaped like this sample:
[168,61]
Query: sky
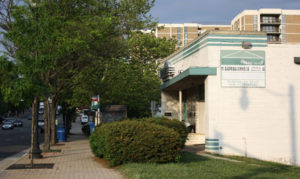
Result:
[211,11]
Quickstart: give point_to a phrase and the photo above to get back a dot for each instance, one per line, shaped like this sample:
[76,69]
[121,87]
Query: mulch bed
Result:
[28,166]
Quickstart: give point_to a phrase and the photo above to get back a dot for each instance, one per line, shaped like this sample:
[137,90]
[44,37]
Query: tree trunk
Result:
[35,151]
[53,121]
[46,145]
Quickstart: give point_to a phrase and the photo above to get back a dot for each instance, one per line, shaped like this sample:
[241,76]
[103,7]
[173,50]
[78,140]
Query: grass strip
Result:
[194,166]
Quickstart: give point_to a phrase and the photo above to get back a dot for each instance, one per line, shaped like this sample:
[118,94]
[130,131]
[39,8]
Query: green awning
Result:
[192,71]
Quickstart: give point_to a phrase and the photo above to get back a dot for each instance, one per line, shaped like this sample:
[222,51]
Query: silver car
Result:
[7,125]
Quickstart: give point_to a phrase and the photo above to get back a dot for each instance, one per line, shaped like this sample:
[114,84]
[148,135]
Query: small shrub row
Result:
[136,141]
[174,124]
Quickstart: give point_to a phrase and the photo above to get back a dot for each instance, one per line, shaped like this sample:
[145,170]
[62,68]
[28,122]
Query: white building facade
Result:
[238,94]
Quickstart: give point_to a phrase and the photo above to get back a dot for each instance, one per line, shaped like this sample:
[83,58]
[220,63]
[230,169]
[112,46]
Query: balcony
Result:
[271,31]
[267,22]
[274,41]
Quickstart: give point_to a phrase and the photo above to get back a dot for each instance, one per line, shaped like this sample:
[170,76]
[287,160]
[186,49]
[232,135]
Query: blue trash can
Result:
[61,134]
[92,127]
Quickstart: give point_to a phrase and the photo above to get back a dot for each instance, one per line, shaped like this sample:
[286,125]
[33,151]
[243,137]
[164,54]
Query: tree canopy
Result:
[72,49]
[132,80]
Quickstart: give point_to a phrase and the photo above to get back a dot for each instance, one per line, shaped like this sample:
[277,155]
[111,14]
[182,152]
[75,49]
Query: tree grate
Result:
[28,166]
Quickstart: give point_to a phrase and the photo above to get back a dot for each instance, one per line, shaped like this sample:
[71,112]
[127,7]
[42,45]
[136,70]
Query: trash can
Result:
[61,134]
[92,127]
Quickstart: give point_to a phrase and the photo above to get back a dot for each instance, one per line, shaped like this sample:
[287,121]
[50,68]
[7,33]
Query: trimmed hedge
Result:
[135,141]
[97,140]
[174,124]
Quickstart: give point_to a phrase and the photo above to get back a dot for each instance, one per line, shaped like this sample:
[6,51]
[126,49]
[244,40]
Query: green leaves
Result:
[73,49]
[135,141]
[146,48]
[13,86]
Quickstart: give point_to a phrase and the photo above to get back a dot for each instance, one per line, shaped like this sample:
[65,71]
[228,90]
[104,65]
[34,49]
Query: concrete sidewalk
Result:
[74,161]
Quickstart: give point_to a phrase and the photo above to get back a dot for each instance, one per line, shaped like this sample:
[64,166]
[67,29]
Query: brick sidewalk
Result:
[74,161]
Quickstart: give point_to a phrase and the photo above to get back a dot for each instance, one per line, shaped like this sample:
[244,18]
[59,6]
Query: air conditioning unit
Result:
[297,60]
[167,72]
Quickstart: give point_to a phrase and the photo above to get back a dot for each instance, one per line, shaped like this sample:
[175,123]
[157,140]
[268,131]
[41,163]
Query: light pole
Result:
[35,151]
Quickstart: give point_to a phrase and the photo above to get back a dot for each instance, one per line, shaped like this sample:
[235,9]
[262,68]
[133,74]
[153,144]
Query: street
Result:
[15,140]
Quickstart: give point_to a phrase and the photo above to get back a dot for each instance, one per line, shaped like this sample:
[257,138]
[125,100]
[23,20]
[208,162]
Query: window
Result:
[254,23]
[269,19]
[270,28]
[185,35]
[273,38]
[178,36]
[283,19]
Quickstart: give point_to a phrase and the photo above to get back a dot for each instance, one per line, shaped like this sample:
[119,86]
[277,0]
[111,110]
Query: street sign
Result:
[95,102]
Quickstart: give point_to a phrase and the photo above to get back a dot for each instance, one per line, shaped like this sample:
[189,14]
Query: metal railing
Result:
[271,31]
[270,21]
[274,40]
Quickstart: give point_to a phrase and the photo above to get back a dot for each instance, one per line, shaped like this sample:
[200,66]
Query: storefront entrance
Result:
[188,105]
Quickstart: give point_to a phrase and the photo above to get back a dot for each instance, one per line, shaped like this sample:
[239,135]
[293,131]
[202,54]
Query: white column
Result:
[180,105]
[240,25]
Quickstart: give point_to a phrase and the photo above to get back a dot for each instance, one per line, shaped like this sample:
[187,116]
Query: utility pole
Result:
[35,151]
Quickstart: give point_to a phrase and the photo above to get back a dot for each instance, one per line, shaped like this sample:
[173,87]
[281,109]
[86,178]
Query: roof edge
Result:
[208,32]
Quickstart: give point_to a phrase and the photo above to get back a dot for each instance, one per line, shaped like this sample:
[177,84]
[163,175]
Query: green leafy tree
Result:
[14,91]
[146,48]
[137,84]
[131,80]
[70,49]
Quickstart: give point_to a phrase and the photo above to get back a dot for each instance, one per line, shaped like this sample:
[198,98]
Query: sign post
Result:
[96,106]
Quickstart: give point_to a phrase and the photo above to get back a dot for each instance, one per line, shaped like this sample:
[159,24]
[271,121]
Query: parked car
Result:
[41,124]
[42,106]
[18,123]
[84,119]
[15,122]
[7,125]
[41,111]
[84,116]
[12,120]
[29,117]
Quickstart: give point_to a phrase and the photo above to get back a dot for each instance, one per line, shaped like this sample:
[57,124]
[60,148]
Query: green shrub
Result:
[97,141]
[135,141]
[174,124]
[86,129]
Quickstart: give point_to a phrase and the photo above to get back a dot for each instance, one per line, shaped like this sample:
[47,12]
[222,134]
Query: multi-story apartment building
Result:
[281,26]
[215,27]
[185,33]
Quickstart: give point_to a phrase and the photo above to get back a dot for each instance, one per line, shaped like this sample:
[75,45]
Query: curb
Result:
[12,159]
